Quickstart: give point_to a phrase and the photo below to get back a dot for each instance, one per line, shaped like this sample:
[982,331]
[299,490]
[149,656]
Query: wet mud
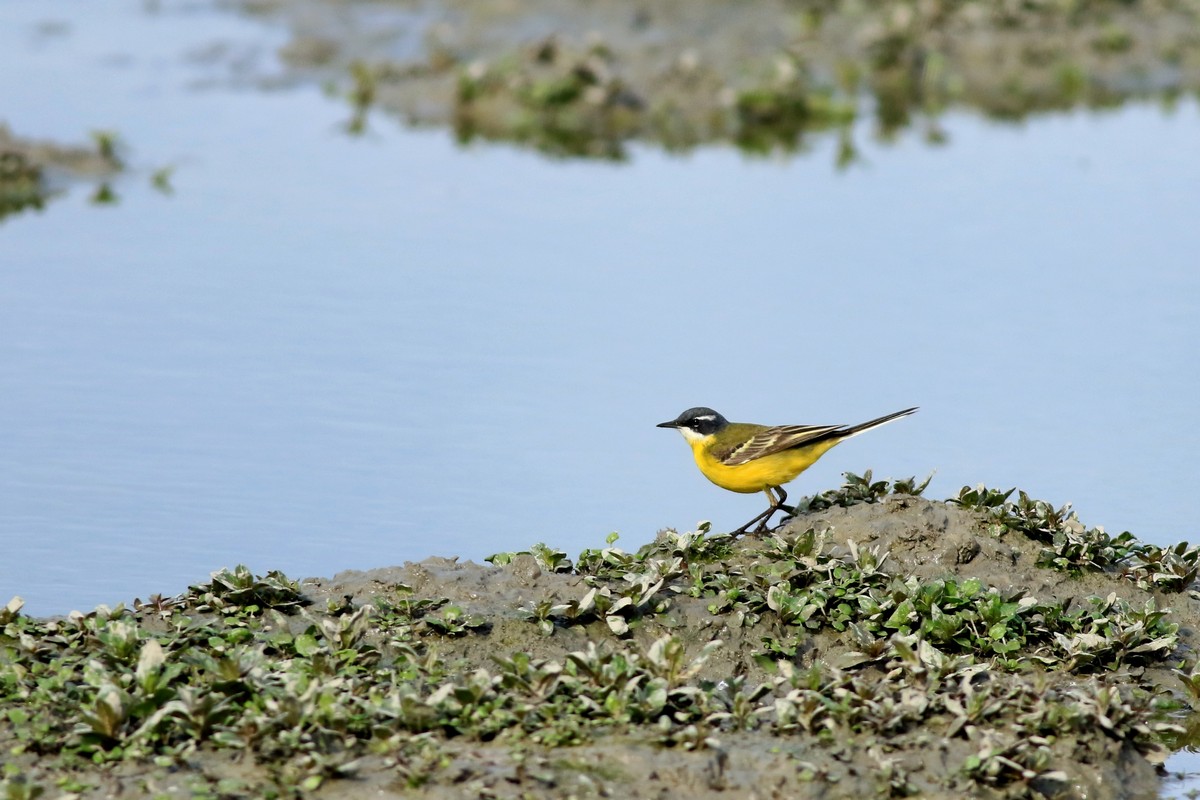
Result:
[887,647]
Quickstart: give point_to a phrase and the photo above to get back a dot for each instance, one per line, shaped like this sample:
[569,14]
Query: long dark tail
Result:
[855,430]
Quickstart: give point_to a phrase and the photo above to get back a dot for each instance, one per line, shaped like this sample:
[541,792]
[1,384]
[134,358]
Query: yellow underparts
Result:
[760,474]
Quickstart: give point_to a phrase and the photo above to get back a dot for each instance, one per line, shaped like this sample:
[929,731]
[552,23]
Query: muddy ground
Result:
[930,541]
[587,79]
[545,678]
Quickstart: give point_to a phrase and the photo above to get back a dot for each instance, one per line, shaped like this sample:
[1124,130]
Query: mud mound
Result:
[878,645]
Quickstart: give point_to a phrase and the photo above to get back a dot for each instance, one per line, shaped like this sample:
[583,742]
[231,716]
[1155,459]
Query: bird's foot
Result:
[761,519]
[789,515]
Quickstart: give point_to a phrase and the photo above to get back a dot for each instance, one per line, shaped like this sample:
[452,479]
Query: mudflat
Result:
[879,644]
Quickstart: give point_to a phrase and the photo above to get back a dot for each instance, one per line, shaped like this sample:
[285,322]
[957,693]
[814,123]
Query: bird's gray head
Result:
[697,422]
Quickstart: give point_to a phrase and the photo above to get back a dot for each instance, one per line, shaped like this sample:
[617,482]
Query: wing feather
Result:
[773,440]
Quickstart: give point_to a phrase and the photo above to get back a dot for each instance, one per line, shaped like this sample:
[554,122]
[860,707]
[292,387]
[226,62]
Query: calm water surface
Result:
[324,352]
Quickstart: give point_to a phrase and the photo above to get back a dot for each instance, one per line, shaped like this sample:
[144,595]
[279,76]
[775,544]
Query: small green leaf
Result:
[306,644]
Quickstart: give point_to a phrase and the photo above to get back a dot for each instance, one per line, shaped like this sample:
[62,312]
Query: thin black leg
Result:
[765,517]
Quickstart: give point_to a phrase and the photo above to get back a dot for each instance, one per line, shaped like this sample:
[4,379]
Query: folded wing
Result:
[776,439]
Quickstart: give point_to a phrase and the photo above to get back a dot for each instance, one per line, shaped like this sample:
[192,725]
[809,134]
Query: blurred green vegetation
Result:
[764,76]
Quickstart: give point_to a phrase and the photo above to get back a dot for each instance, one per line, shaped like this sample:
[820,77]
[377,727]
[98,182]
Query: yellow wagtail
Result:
[743,457]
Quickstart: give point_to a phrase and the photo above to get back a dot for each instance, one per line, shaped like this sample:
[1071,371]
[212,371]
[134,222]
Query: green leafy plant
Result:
[1074,548]
[861,489]
[240,591]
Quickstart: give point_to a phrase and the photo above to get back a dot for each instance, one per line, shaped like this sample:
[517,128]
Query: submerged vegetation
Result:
[795,658]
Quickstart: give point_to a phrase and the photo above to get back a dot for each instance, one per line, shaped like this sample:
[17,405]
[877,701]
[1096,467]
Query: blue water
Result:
[323,352]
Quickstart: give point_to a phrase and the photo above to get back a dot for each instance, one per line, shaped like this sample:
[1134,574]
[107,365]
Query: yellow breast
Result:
[755,476]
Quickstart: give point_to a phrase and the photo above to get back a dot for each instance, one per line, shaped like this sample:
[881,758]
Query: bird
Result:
[744,457]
